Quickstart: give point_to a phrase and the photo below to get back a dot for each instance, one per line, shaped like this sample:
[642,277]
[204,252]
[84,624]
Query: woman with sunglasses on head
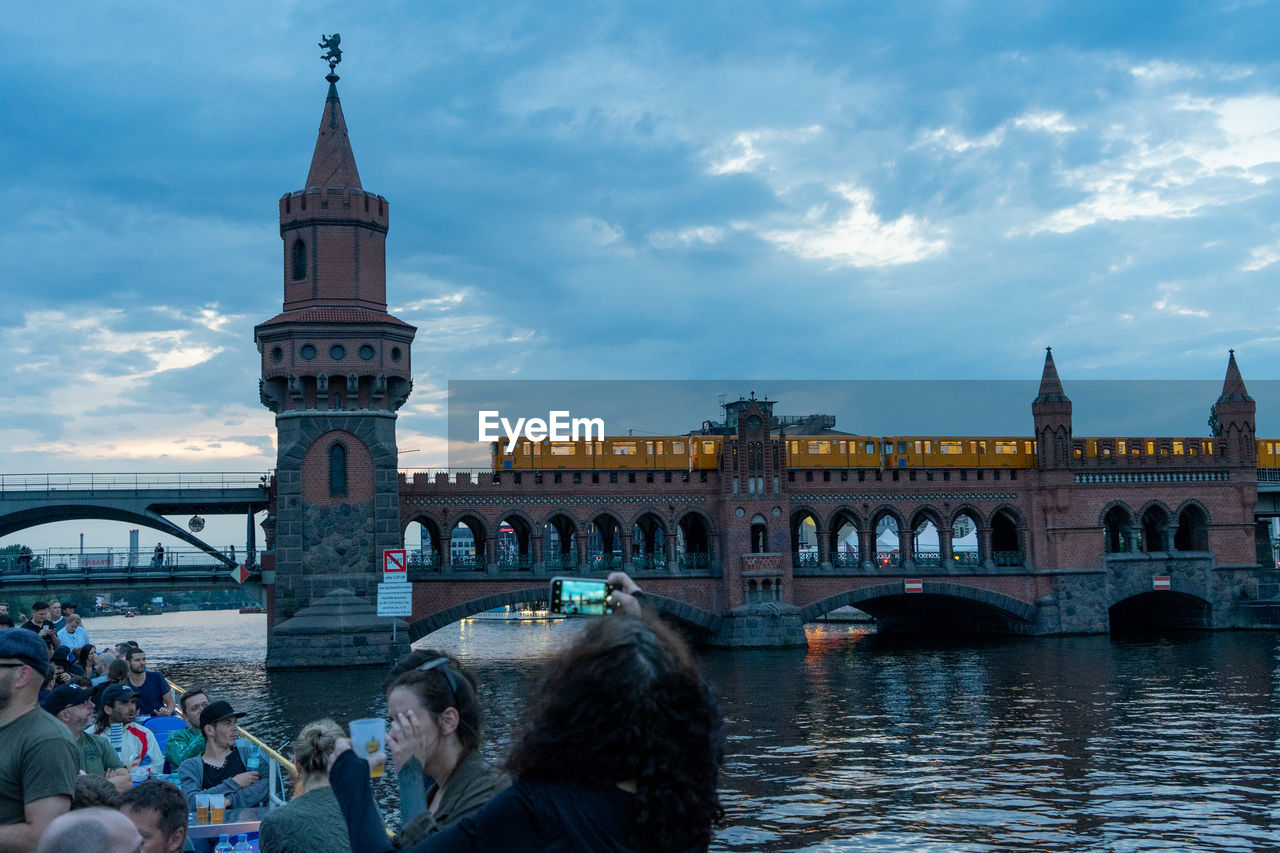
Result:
[620,750]
[435,718]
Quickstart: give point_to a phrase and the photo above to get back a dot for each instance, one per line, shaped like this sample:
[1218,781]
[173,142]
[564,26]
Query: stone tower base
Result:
[339,629]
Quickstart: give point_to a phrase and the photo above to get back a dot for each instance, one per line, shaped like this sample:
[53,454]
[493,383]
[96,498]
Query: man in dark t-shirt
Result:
[38,760]
[155,699]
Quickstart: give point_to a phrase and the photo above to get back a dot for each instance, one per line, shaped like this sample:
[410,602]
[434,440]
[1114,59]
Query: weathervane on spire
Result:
[334,53]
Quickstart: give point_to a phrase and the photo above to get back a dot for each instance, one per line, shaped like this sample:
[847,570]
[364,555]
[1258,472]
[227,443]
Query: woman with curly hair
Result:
[620,750]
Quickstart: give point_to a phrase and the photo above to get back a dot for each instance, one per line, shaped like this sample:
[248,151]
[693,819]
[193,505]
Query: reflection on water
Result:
[868,743]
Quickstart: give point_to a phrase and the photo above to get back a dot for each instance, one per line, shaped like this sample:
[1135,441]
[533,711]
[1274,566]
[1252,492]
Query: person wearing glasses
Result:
[620,750]
[38,759]
[436,720]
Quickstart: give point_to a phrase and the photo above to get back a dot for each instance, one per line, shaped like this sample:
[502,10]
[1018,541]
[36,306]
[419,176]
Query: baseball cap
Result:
[65,696]
[118,693]
[25,646]
[62,653]
[216,712]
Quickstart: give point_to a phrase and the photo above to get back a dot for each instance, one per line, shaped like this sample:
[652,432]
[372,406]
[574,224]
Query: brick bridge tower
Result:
[335,369]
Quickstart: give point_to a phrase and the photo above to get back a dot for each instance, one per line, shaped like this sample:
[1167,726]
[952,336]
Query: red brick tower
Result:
[335,369]
[1235,411]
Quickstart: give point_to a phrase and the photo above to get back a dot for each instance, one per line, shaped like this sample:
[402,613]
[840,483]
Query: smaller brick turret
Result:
[1235,412]
[1051,410]
[750,462]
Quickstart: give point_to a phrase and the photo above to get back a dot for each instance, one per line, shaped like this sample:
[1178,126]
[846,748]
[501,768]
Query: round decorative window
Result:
[739,512]
[308,352]
[367,352]
[395,353]
[277,354]
[777,511]
[337,352]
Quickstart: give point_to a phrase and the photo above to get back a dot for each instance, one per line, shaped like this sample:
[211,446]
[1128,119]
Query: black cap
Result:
[65,696]
[216,712]
[62,653]
[118,693]
[26,646]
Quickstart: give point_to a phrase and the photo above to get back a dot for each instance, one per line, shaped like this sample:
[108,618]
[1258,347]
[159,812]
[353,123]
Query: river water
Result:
[862,742]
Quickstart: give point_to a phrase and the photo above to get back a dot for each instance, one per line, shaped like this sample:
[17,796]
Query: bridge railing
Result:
[93,481]
[52,560]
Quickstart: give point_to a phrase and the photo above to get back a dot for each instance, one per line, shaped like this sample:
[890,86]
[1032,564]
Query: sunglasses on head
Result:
[448,674]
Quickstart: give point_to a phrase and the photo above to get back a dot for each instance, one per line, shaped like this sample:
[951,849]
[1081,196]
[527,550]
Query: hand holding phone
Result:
[582,596]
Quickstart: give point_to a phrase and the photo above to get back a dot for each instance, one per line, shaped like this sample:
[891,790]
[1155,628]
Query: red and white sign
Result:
[240,573]
[1160,583]
[915,585]
[395,566]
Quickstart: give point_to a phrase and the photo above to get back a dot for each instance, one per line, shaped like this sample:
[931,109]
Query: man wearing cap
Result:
[73,707]
[38,758]
[223,768]
[117,720]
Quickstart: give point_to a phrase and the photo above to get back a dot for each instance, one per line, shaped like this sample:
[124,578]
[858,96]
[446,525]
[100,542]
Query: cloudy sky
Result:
[801,190]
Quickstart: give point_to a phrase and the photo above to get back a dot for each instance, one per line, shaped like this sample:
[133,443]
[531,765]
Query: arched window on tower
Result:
[338,471]
[299,260]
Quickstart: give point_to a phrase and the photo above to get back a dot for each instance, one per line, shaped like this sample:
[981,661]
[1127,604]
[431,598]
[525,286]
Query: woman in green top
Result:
[311,822]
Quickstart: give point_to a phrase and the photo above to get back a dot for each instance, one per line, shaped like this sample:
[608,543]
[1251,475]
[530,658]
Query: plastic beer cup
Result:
[202,808]
[217,808]
[369,738]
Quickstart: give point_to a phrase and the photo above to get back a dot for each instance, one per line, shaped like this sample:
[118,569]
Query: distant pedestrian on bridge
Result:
[157,557]
[155,699]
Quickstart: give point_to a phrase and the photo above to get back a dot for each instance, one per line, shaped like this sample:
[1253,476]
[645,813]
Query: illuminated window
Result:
[1027,446]
[1077,453]
[648,448]
[1120,448]
[563,448]
[677,447]
[1208,448]
[982,447]
[708,447]
[918,448]
[823,447]
[951,447]
[1151,448]
[537,450]
[844,447]
[973,447]
[624,448]
[928,447]
[589,447]
[1106,451]
[1006,447]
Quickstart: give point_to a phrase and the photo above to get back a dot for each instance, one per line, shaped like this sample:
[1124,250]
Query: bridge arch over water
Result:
[940,604]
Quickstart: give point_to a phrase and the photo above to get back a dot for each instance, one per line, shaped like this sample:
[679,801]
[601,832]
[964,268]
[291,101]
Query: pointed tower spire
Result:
[1233,389]
[1050,385]
[333,164]
[1051,410]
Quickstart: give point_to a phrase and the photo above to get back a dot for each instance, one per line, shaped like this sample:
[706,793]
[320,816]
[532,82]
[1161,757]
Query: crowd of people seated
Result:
[619,749]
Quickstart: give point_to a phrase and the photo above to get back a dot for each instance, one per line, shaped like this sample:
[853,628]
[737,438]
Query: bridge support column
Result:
[984,548]
[491,554]
[580,543]
[944,551]
[539,565]
[867,549]
[670,547]
[824,547]
[626,554]
[768,625]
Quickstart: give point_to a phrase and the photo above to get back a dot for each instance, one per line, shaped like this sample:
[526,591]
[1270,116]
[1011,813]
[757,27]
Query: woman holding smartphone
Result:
[620,750]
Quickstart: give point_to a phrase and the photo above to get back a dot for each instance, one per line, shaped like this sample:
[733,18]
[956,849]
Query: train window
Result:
[648,448]
[1151,448]
[1208,447]
[1134,452]
[537,450]
[563,448]
[888,447]
[919,450]
[708,447]
[928,447]
[1120,447]
[844,447]
[524,448]
[1006,447]
[871,448]
[982,447]
[1077,453]
[973,447]
[599,448]
[902,447]
[951,447]
[624,448]
[677,447]
[795,446]
[1106,451]
[1027,445]
[823,447]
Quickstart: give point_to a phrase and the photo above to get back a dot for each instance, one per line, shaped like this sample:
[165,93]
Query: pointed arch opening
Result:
[759,534]
[966,544]
[1117,530]
[1155,526]
[845,548]
[693,542]
[337,470]
[1193,530]
[888,541]
[560,543]
[648,543]
[1006,540]
[804,540]
[515,543]
[423,543]
[926,545]
[604,543]
[467,544]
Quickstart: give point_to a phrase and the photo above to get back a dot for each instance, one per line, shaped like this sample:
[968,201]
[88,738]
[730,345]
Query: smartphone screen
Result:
[579,596]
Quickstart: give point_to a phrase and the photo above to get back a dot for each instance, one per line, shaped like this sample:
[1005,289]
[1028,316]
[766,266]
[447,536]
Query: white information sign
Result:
[395,599]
